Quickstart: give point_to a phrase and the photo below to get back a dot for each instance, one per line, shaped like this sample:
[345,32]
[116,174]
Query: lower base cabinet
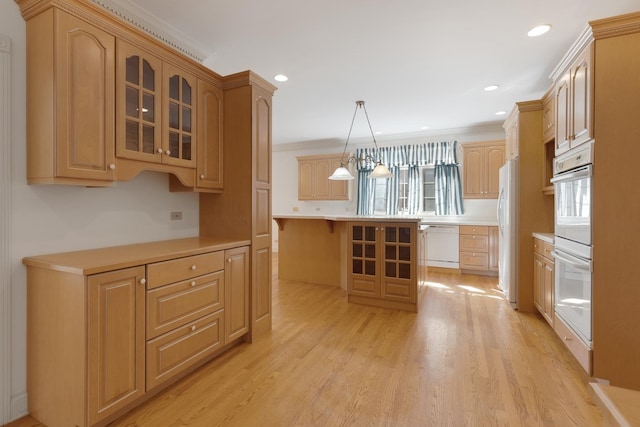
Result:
[108,326]
[479,249]
[543,279]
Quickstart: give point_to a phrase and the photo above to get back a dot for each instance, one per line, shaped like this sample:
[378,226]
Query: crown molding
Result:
[154,26]
[472,132]
[616,25]
[584,39]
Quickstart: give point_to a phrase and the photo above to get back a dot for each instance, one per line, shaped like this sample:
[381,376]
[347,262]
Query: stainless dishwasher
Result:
[443,246]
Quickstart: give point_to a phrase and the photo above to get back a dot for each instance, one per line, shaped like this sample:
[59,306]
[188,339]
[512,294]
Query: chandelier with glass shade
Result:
[342,173]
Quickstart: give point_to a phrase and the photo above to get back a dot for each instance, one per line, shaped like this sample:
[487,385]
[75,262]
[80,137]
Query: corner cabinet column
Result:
[243,209]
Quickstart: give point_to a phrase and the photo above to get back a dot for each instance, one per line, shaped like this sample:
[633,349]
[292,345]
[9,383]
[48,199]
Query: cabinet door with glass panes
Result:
[138,106]
[383,260]
[178,136]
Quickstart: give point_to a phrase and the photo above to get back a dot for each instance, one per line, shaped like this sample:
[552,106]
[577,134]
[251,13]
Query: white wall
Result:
[61,218]
[285,172]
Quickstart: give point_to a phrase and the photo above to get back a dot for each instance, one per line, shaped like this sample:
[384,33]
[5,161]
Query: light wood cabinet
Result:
[121,331]
[115,344]
[548,117]
[210,165]
[70,101]
[479,249]
[482,163]
[236,276]
[383,264]
[574,102]
[543,279]
[313,178]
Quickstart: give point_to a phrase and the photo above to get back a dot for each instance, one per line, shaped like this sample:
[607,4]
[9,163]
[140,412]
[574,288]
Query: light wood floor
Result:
[466,359]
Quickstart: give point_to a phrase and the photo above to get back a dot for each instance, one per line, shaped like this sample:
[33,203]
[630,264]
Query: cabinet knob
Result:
[193,283]
[168,152]
[193,267]
[474,237]
[202,176]
[229,260]
[567,339]
[193,327]
[143,281]
[112,166]
[159,150]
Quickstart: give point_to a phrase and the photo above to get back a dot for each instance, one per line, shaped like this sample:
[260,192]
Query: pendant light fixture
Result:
[342,173]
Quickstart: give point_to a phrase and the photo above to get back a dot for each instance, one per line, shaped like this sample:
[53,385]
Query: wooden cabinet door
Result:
[209,169]
[512,143]
[538,282]
[494,249]
[562,115]
[116,340]
[85,82]
[178,117]
[364,265]
[305,180]
[321,178]
[236,279]
[494,160]
[398,262]
[581,99]
[474,163]
[138,104]
[548,119]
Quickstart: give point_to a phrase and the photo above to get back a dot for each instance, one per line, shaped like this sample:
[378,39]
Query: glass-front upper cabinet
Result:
[179,117]
[138,106]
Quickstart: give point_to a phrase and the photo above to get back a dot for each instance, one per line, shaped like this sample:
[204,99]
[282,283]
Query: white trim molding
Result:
[5,228]
[149,23]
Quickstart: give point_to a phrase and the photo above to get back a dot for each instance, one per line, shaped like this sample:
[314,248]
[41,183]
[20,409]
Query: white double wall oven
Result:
[573,188]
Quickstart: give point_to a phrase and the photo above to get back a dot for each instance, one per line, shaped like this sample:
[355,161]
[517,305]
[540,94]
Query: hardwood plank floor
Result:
[466,359]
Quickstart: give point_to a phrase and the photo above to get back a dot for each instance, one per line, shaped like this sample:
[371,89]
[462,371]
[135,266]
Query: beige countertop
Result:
[431,220]
[546,237]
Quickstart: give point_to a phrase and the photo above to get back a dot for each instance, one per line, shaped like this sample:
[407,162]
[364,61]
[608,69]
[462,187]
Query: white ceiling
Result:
[415,62]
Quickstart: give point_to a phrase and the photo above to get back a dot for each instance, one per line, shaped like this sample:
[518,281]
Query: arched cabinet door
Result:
[209,169]
[179,119]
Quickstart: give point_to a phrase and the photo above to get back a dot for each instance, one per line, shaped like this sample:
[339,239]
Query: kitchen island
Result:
[376,259]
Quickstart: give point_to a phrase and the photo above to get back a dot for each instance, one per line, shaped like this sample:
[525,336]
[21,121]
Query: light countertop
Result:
[546,237]
[435,220]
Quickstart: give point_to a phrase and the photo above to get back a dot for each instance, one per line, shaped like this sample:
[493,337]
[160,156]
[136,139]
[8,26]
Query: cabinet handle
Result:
[193,327]
[168,152]
[567,339]
[193,283]
[112,166]
[143,281]
[159,150]
[474,236]
[229,260]
[193,267]
[202,176]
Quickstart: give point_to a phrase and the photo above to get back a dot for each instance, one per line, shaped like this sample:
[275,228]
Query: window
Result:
[426,188]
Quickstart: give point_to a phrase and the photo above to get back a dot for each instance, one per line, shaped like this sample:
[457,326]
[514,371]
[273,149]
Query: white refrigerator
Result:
[507,226]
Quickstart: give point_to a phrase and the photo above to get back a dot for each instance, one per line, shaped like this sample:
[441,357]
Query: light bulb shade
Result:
[341,174]
[381,171]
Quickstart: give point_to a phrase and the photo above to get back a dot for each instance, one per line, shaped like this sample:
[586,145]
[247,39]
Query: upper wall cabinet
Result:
[482,162]
[313,178]
[70,101]
[574,102]
[107,101]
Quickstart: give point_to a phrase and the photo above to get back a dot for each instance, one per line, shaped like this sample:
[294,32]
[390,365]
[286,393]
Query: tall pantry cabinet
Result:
[243,209]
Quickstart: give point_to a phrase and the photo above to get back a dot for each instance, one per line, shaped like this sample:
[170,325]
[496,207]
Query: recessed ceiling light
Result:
[280,78]
[539,30]
[501,113]
[424,127]
[378,133]
[490,88]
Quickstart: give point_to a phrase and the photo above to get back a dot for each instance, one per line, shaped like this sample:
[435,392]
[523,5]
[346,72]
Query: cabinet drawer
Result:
[474,261]
[165,272]
[543,248]
[474,229]
[171,306]
[474,242]
[576,346]
[171,353]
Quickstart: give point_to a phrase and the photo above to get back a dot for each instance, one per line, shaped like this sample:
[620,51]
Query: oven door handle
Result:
[573,261]
[583,172]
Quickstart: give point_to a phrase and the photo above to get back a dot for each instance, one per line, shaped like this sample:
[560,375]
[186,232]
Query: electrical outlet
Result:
[177,215]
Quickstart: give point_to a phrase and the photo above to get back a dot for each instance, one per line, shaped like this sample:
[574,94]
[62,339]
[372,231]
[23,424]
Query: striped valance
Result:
[432,153]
